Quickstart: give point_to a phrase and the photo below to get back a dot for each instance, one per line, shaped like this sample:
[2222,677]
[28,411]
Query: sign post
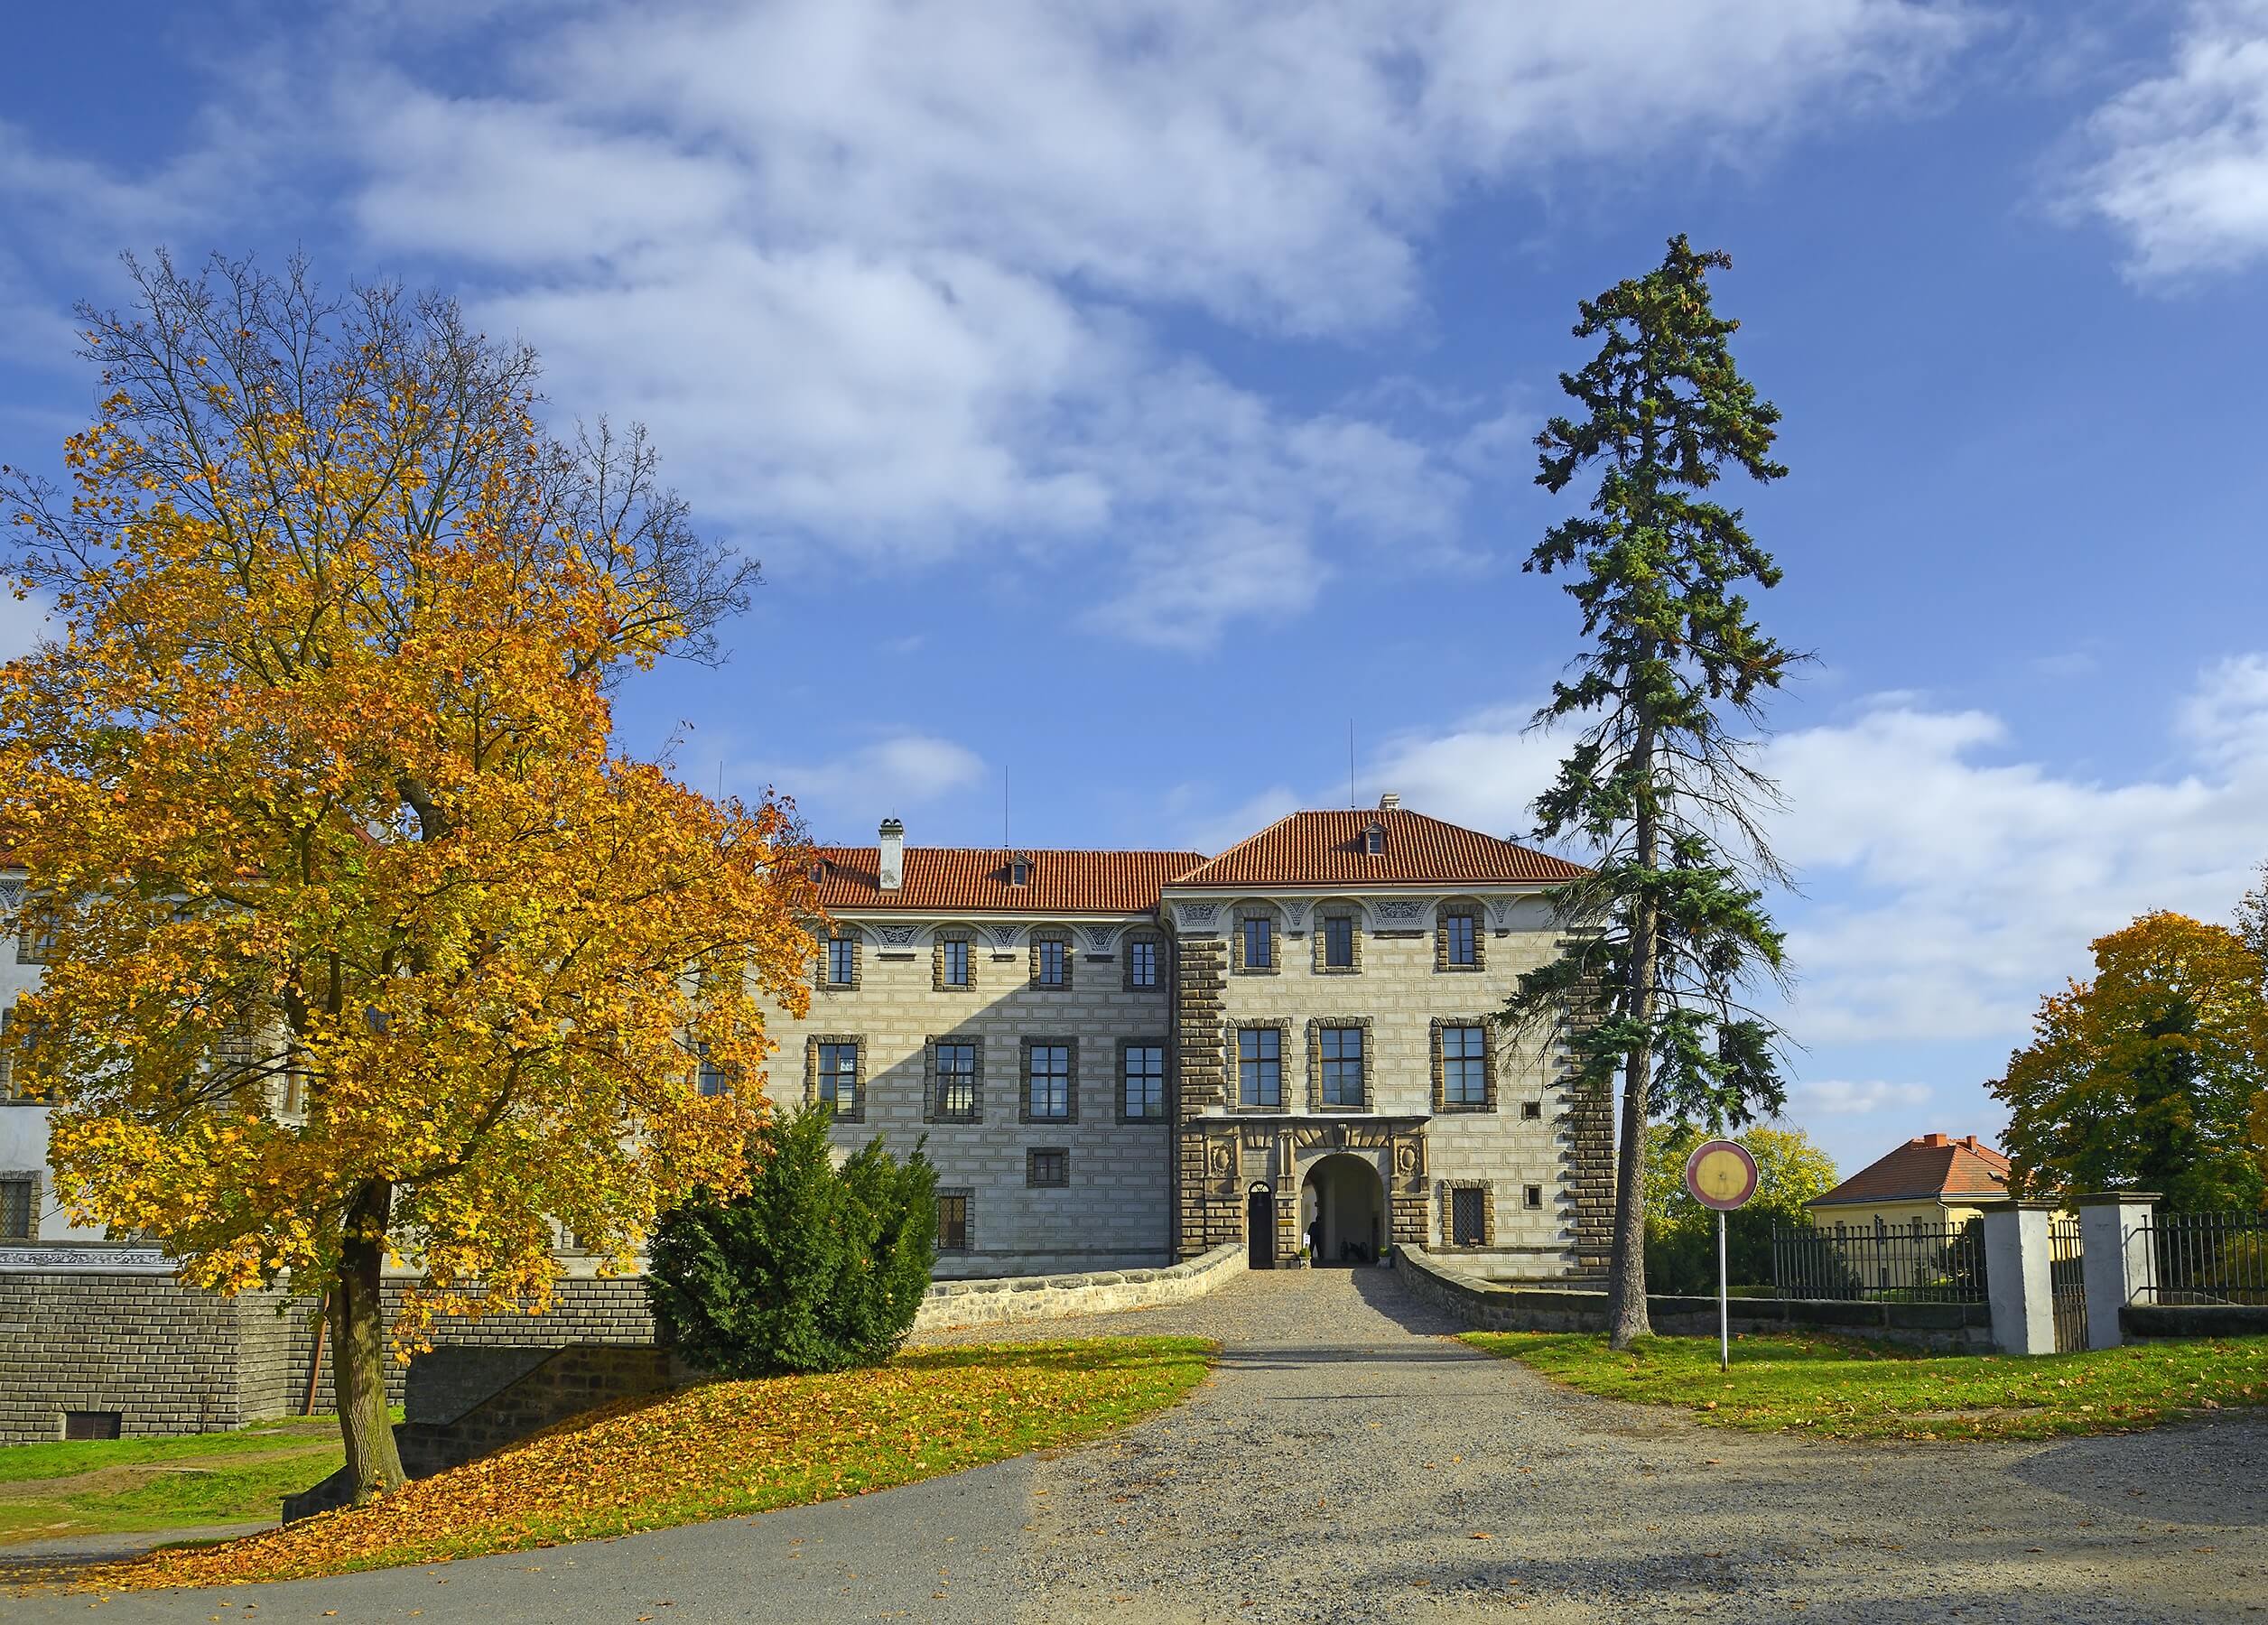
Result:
[1722,1176]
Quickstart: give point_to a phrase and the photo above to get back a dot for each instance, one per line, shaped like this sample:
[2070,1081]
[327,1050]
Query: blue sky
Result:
[1128,399]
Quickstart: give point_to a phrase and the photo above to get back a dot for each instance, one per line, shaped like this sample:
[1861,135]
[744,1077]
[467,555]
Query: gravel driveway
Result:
[1342,1464]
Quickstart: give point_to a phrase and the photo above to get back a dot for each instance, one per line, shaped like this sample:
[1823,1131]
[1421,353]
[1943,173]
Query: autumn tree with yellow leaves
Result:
[364,941]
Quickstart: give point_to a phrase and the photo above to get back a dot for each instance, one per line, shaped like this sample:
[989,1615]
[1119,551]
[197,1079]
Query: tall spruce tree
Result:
[1670,929]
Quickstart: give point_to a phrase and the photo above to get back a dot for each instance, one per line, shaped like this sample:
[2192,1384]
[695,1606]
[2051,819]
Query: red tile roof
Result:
[1325,848]
[1927,1167]
[971,879]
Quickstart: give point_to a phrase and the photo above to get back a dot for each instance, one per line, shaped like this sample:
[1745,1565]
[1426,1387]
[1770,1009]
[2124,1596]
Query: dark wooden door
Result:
[1259,1229]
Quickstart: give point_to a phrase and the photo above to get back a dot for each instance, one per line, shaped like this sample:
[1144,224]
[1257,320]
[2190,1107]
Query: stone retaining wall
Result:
[2194,1320]
[1948,1328]
[1039,1297]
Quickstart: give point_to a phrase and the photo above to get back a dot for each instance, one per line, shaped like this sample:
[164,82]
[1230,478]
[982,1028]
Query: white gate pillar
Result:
[2017,1279]
[2118,1262]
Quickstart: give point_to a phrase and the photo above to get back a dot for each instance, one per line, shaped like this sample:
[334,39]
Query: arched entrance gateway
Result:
[1342,1210]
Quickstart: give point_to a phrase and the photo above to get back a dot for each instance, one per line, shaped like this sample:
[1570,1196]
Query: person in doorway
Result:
[1315,1239]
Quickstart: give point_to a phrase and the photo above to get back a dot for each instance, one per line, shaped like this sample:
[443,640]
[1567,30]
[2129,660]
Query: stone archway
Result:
[1343,1204]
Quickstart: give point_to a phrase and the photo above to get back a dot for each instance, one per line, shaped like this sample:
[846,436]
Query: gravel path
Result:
[1342,1464]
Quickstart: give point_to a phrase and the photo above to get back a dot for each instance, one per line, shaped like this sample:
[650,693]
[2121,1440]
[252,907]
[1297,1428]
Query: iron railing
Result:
[2205,1259]
[1917,1263]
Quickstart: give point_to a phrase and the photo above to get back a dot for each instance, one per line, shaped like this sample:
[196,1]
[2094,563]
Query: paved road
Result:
[1341,1465]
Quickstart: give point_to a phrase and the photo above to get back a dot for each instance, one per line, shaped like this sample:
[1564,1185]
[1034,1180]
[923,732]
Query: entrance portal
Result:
[1259,1228]
[1342,1211]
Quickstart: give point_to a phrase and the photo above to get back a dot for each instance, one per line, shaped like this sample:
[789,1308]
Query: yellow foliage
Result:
[351,892]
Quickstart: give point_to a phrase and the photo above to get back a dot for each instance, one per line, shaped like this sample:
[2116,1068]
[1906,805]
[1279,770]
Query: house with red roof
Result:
[1932,1178]
[1129,1057]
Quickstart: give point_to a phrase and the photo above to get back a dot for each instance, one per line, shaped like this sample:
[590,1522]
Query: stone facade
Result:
[1113,1213]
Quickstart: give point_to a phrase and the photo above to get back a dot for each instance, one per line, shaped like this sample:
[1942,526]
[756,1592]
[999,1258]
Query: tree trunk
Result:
[1626,1316]
[358,1347]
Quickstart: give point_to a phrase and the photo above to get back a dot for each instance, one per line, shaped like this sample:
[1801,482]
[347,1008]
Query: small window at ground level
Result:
[1531,1109]
[1048,1167]
[92,1425]
[15,1209]
[1534,1195]
[1467,1218]
[952,1222]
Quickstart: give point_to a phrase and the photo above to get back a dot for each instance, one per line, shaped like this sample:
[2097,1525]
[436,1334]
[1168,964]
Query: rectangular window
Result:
[1047,1091]
[1468,1219]
[842,961]
[957,1080]
[713,1079]
[1145,1080]
[35,927]
[1533,1196]
[1342,1067]
[953,1221]
[838,1075]
[8,1053]
[1141,963]
[1260,1066]
[15,1209]
[1533,1110]
[92,1425]
[955,962]
[1260,943]
[1338,942]
[1049,958]
[1463,1066]
[1047,1169]
[1460,933]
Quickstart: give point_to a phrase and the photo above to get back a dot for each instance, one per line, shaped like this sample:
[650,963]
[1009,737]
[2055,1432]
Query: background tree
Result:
[811,1269]
[1671,925]
[363,942]
[2152,1076]
[2252,919]
[1681,1234]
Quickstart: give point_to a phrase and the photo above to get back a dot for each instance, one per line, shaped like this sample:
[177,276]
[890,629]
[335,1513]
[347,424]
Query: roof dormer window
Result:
[1019,869]
[1374,840]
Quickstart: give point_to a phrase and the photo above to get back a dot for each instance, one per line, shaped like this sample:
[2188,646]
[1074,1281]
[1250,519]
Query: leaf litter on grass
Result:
[716,1450]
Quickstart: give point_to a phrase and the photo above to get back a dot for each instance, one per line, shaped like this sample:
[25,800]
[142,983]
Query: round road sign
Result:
[1721,1175]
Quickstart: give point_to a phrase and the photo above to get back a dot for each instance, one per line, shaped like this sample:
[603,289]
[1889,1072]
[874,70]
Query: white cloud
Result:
[23,621]
[891,774]
[1839,1097]
[1947,882]
[2179,163]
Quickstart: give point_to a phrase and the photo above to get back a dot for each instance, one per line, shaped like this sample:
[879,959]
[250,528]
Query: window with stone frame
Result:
[1463,1066]
[1339,1064]
[1252,945]
[712,1077]
[952,960]
[37,921]
[1051,959]
[1533,1197]
[1458,942]
[19,1206]
[1259,1067]
[1051,1081]
[1338,941]
[1048,1167]
[1531,1111]
[953,1081]
[834,1072]
[1141,1080]
[839,964]
[1145,961]
[955,1233]
[8,1053]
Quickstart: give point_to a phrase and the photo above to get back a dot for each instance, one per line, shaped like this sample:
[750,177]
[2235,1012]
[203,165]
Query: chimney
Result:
[1390,800]
[1935,1141]
[893,865]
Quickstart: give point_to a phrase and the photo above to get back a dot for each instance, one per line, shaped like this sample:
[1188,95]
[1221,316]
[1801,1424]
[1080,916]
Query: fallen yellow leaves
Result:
[718,1450]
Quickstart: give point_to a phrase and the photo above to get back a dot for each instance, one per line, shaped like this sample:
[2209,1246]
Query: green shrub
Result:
[816,1268]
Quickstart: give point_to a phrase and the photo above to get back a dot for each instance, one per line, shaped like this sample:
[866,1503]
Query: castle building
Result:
[1123,1058]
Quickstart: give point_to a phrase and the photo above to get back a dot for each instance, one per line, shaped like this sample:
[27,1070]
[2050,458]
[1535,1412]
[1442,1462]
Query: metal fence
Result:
[1915,1263]
[2207,1259]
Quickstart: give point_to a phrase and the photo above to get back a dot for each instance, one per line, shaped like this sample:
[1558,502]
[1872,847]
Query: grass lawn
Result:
[117,1485]
[1836,1388]
[716,1449]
